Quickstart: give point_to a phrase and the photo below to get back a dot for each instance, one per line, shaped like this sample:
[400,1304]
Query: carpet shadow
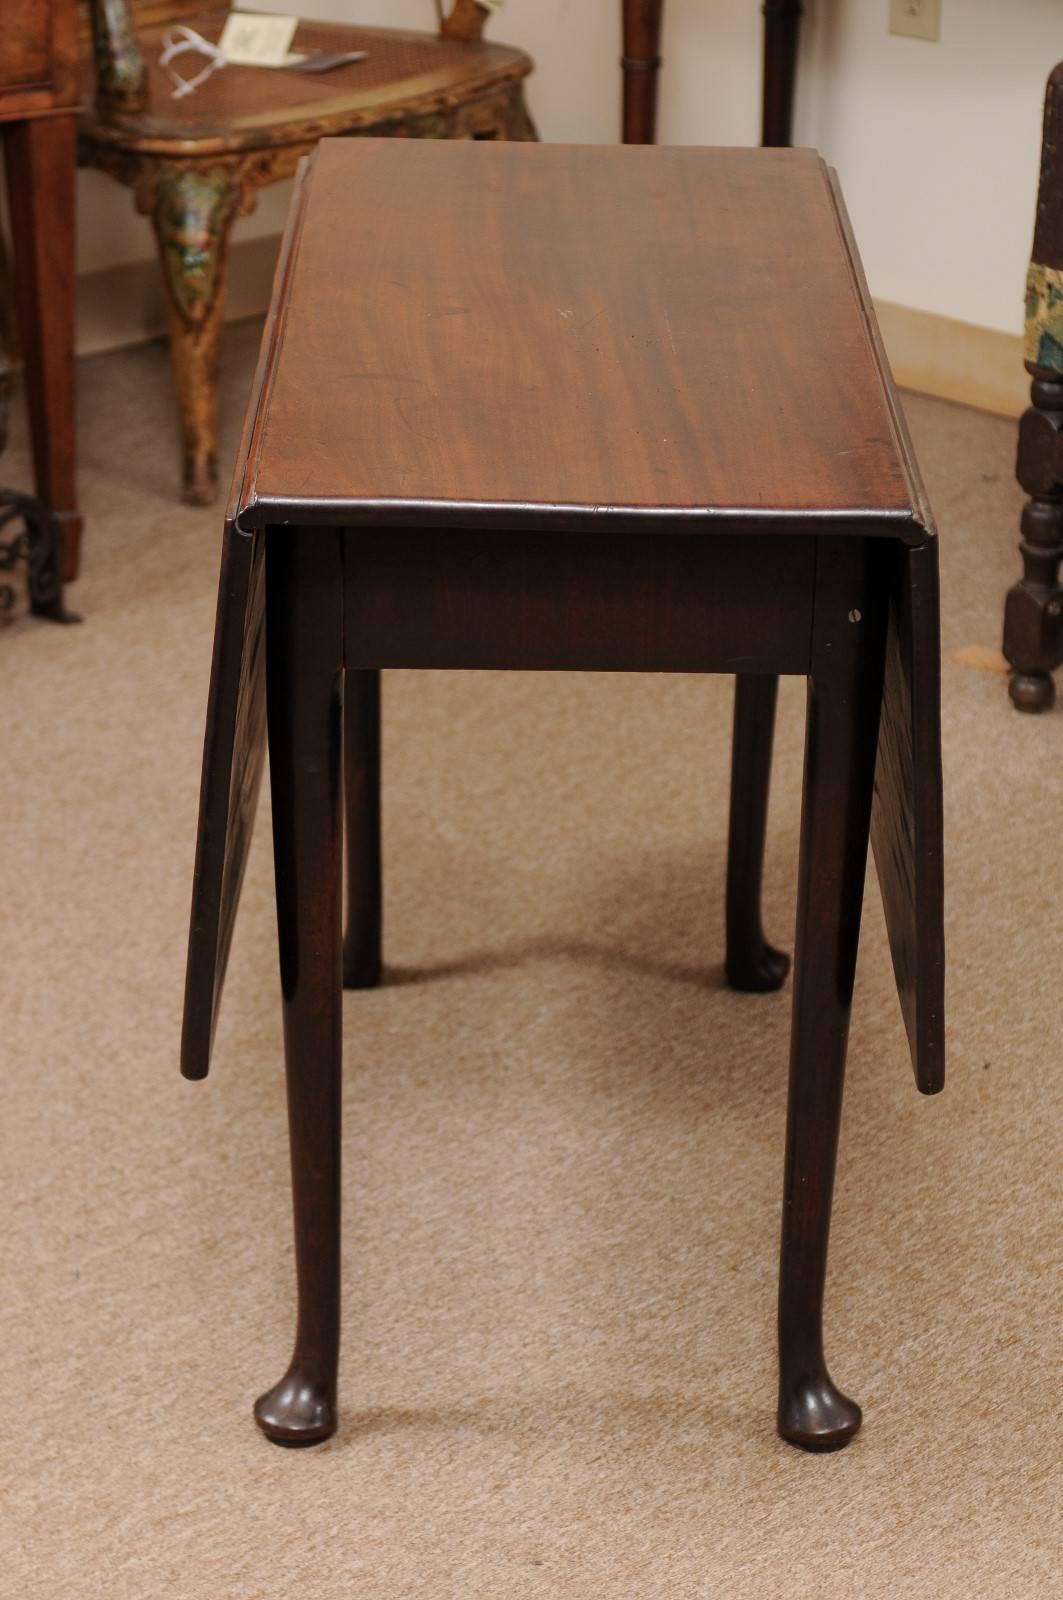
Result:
[510,958]
[672,1423]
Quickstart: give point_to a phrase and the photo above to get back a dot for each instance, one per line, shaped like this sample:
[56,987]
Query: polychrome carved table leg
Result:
[519,126]
[502,115]
[844,696]
[304,694]
[752,964]
[361,789]
[192,211]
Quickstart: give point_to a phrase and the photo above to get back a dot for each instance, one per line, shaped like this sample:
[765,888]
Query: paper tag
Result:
[250,39]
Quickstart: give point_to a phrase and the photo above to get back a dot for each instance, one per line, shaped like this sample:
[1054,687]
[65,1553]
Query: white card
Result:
[251,39]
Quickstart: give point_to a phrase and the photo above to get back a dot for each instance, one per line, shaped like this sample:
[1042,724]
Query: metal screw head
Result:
[854,615]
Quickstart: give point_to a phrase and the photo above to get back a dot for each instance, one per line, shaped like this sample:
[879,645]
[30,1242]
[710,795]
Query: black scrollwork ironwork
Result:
[36,542]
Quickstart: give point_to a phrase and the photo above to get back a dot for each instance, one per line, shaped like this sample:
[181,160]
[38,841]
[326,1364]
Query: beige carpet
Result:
[563,1135]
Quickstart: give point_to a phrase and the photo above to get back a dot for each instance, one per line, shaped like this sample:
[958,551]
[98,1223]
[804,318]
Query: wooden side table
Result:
[38,109]
[541,407]
[196,163]
[641,63]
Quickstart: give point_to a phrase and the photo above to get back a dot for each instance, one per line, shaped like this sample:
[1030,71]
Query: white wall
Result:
[937,144]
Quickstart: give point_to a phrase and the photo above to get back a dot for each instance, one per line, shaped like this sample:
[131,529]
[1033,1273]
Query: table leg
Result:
[1033,611]
[192,214]
[641,62]
[782,27]
[304,630]
[752,964]
[844,697]
[361,788]
[40,160]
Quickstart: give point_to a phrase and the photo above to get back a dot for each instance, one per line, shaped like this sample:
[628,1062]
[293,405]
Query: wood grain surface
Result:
[38,95]
[907,815]
[502,334]
[605,602]
[38,57]
[233,758]
[253,107]
[570,587]
[234,746]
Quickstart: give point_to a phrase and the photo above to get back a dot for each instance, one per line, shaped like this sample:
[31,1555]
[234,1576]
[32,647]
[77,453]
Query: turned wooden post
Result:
[641,62]
[782,27]
[1033,613]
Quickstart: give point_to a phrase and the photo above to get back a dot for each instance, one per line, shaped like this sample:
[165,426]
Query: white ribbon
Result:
[178,42]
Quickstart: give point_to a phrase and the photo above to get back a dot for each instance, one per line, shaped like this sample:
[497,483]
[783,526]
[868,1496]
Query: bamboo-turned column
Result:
[641,62]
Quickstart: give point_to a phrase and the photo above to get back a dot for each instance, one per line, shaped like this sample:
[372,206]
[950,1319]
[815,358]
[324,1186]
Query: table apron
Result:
[577,602]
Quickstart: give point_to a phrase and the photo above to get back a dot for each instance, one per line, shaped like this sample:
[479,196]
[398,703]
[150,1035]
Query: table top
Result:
[549,336]
[403,72]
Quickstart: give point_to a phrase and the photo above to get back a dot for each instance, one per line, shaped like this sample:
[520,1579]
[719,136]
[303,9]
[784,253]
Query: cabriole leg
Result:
[519,128]
[752,963]
[192,212]
[303,675]
[844,697]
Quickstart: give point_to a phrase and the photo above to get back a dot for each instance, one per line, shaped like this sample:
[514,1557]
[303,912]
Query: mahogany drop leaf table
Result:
[603,408]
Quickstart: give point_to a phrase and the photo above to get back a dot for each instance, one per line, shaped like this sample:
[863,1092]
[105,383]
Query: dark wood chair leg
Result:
[41,172]
[782,28]
[752,964]
[641,62]
[304,689]
[844,695]
[361,787]
[1033,611]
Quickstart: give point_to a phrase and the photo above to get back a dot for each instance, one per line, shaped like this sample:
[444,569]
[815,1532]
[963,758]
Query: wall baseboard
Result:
[934,355]
[979,367]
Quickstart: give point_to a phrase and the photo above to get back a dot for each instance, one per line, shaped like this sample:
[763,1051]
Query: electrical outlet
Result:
[916,19]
